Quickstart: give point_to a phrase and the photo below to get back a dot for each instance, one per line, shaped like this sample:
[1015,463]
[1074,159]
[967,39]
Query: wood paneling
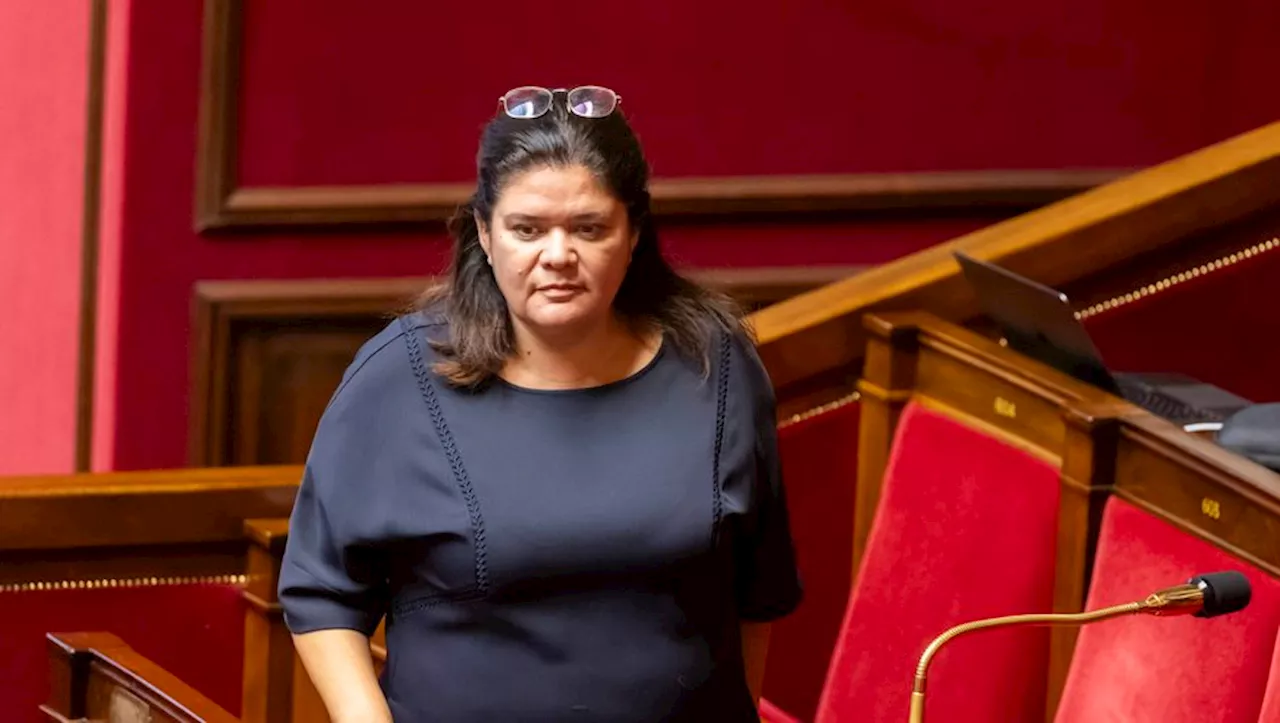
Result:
[221,203]
[1129,220]
[269,354]
[1201,488]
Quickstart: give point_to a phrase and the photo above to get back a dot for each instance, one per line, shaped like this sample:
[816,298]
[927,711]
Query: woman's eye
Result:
[524,231]
[591,231]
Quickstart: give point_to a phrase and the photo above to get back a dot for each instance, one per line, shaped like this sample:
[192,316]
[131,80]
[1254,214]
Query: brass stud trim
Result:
[822,409]
[1173,280]
[123,582]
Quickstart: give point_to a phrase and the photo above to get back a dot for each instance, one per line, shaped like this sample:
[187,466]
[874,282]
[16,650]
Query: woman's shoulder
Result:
[385,363]
[746,370]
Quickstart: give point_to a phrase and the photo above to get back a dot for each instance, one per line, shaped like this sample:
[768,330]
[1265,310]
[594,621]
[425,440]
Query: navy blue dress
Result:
[546,555]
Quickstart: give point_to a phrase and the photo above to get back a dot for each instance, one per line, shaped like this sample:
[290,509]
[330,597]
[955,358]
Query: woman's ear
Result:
[482,230]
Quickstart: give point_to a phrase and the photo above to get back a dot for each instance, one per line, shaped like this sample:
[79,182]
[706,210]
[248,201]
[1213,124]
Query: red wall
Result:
[397,91]
[43,61]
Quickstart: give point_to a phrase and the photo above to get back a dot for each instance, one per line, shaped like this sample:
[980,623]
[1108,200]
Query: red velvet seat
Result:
[194,631]
[1143,668]
[966,528]
[819,459]
[1271,701]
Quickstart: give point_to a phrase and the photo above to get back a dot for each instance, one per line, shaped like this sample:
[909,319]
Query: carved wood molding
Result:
[221,203]
[91,202]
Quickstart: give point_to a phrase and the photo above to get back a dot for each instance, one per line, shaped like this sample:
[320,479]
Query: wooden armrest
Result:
[96,676]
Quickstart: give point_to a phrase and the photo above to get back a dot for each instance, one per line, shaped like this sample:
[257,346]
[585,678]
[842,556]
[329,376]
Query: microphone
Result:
[1203,596]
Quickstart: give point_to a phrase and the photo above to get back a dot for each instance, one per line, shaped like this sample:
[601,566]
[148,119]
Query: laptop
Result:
[1038,321]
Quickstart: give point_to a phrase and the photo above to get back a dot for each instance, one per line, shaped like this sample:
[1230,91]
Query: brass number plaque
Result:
[1211,508]
[1006,408]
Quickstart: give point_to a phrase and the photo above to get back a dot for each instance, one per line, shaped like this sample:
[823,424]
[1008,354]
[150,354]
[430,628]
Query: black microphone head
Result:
[1224,592]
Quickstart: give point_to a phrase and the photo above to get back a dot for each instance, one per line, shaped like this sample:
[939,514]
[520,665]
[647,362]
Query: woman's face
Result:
[559,244]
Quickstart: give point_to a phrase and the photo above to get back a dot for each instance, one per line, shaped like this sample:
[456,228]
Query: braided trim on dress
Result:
[451,453]
[722,393]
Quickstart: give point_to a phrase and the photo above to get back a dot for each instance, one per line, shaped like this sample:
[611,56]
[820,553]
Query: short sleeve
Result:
[325,580]
[769,585]
[333,574]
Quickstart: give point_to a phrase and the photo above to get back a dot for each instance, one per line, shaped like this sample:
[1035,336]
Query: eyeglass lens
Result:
[592,101]
[588,101]
[527,102]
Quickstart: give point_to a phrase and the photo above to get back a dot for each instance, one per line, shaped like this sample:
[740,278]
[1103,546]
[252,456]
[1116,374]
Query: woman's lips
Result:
[560,292]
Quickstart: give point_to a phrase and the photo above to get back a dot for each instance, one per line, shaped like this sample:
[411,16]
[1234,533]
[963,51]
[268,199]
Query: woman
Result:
[558,478]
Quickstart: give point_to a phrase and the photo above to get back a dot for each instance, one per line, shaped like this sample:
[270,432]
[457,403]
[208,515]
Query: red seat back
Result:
[194,631]
[1271,701]
[966,528]
[1143,668]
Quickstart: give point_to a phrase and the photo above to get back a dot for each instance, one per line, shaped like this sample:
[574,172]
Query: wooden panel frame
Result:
[915,356]
[225,310]
[90,231]
[809,338]
[221,203]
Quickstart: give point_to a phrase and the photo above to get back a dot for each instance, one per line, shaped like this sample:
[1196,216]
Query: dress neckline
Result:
[596,388]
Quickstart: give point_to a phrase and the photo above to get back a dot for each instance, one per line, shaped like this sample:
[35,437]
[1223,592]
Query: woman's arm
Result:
[341,668]
[755,648]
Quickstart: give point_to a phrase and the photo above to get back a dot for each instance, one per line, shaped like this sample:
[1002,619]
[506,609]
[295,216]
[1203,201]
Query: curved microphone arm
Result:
[1182,599]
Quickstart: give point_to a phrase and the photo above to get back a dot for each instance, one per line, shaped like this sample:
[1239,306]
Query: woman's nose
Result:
[558,250]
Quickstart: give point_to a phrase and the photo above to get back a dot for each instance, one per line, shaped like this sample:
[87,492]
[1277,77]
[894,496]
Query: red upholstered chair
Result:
[1271,701]
[1142,668]
[194,631]
[966,528]
[819,459]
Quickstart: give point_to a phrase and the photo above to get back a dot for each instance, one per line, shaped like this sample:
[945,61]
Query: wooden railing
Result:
[813,343]
[77,530]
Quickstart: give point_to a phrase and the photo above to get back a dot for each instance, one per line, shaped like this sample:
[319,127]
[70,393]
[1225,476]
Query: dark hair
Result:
[652,294]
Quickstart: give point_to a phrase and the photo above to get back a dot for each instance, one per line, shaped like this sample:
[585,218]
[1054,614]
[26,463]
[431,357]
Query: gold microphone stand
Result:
[1171,601]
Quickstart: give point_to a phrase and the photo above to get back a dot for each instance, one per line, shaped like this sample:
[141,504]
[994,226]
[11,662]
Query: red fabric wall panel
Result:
[1222,328]
[43,84]
[398,92]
